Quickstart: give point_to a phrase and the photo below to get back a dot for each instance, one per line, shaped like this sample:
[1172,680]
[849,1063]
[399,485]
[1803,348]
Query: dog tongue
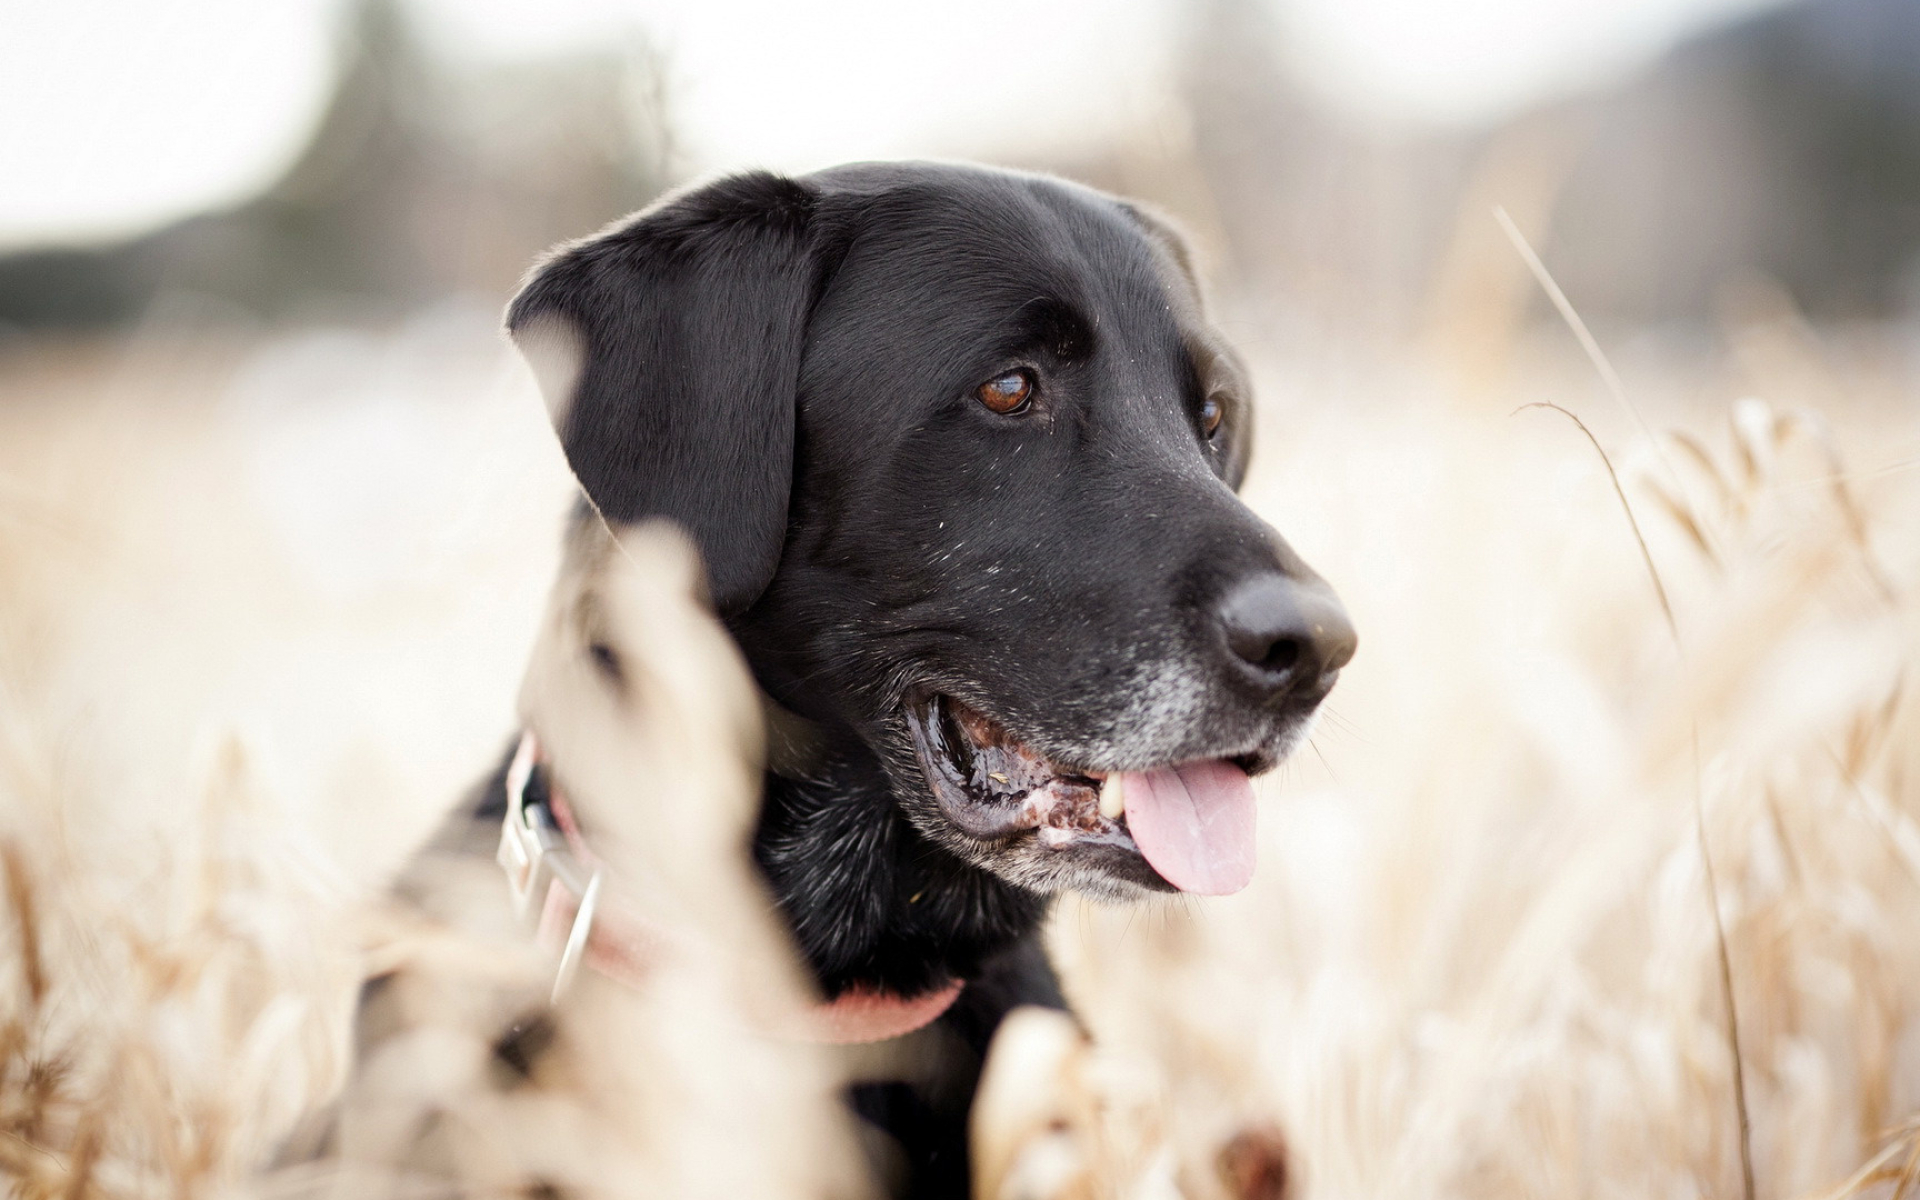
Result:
[1194,824]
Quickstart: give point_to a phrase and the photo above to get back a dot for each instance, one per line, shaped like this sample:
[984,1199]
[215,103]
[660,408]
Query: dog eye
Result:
[1008,394]
[1212,412]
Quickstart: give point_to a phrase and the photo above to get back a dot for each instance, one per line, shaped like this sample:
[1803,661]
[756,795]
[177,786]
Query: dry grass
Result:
[1483,956]
[163,1016]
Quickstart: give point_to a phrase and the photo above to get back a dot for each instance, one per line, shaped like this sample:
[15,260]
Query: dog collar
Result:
[557,885]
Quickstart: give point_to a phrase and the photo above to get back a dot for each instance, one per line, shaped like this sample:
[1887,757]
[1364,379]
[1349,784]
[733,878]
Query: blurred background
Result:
[359,161]
[267,465]
[1689,169]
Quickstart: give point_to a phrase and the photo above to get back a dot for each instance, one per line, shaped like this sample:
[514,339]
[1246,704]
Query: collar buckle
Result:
[535,853]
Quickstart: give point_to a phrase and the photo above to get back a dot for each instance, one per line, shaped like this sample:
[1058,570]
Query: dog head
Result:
[959,449]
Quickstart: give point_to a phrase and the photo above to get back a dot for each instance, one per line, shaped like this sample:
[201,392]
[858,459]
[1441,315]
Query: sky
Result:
[124,114]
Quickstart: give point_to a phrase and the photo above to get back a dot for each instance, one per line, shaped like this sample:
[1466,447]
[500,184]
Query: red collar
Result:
[547,859]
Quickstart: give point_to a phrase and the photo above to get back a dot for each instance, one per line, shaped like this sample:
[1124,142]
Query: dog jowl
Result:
[959,449]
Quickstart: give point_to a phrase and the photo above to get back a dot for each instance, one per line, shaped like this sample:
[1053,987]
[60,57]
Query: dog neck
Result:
[827,800]
[915,916]
[556,877]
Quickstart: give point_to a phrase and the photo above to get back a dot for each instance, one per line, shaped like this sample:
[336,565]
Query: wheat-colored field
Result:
[1601,877]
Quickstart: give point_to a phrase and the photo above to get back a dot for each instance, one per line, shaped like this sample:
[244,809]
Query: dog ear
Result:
[668,350]
[1222,373]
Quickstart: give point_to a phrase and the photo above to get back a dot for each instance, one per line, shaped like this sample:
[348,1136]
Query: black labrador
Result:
[959,449]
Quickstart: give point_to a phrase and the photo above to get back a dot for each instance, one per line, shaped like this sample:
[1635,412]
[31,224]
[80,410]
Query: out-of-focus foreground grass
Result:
[264,607]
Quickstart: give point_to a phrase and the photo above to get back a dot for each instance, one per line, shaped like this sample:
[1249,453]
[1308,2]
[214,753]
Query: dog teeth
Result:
[1113,801]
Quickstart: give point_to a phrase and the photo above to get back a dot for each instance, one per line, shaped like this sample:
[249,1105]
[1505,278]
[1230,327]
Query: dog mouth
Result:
[1183,827]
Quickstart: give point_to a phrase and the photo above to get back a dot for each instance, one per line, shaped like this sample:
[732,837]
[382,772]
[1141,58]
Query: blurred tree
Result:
[421,179]
[1786,146]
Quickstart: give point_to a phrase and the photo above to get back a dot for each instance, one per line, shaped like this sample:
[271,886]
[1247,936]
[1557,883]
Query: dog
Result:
[958,448]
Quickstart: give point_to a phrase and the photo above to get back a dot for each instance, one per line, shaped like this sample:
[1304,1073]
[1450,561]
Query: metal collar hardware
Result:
[540,862]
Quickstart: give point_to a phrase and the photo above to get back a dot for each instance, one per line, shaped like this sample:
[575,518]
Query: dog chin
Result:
[1051,873]
[1024,862]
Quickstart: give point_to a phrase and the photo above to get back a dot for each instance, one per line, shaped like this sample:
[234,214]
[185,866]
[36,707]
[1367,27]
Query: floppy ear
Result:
[668,349]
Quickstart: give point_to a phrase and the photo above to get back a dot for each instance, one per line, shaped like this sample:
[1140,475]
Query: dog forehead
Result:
[950,273]
[933,237]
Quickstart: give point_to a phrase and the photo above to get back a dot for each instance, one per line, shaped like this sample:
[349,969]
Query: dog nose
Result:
[1286,636]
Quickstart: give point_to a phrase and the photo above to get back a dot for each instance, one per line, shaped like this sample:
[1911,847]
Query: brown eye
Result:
[1007,394]
[1212,412]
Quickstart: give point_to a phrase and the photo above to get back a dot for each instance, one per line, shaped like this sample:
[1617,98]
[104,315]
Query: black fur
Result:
[693,320]
[788,368]
[869,898]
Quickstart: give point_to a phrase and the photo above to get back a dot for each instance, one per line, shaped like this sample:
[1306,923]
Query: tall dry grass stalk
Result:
[1483,955]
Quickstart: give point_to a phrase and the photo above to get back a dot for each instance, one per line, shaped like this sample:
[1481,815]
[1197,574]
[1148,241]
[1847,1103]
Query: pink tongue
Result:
[1194,824]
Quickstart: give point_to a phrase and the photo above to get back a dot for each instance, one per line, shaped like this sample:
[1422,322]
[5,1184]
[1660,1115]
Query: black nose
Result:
[1285,636]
